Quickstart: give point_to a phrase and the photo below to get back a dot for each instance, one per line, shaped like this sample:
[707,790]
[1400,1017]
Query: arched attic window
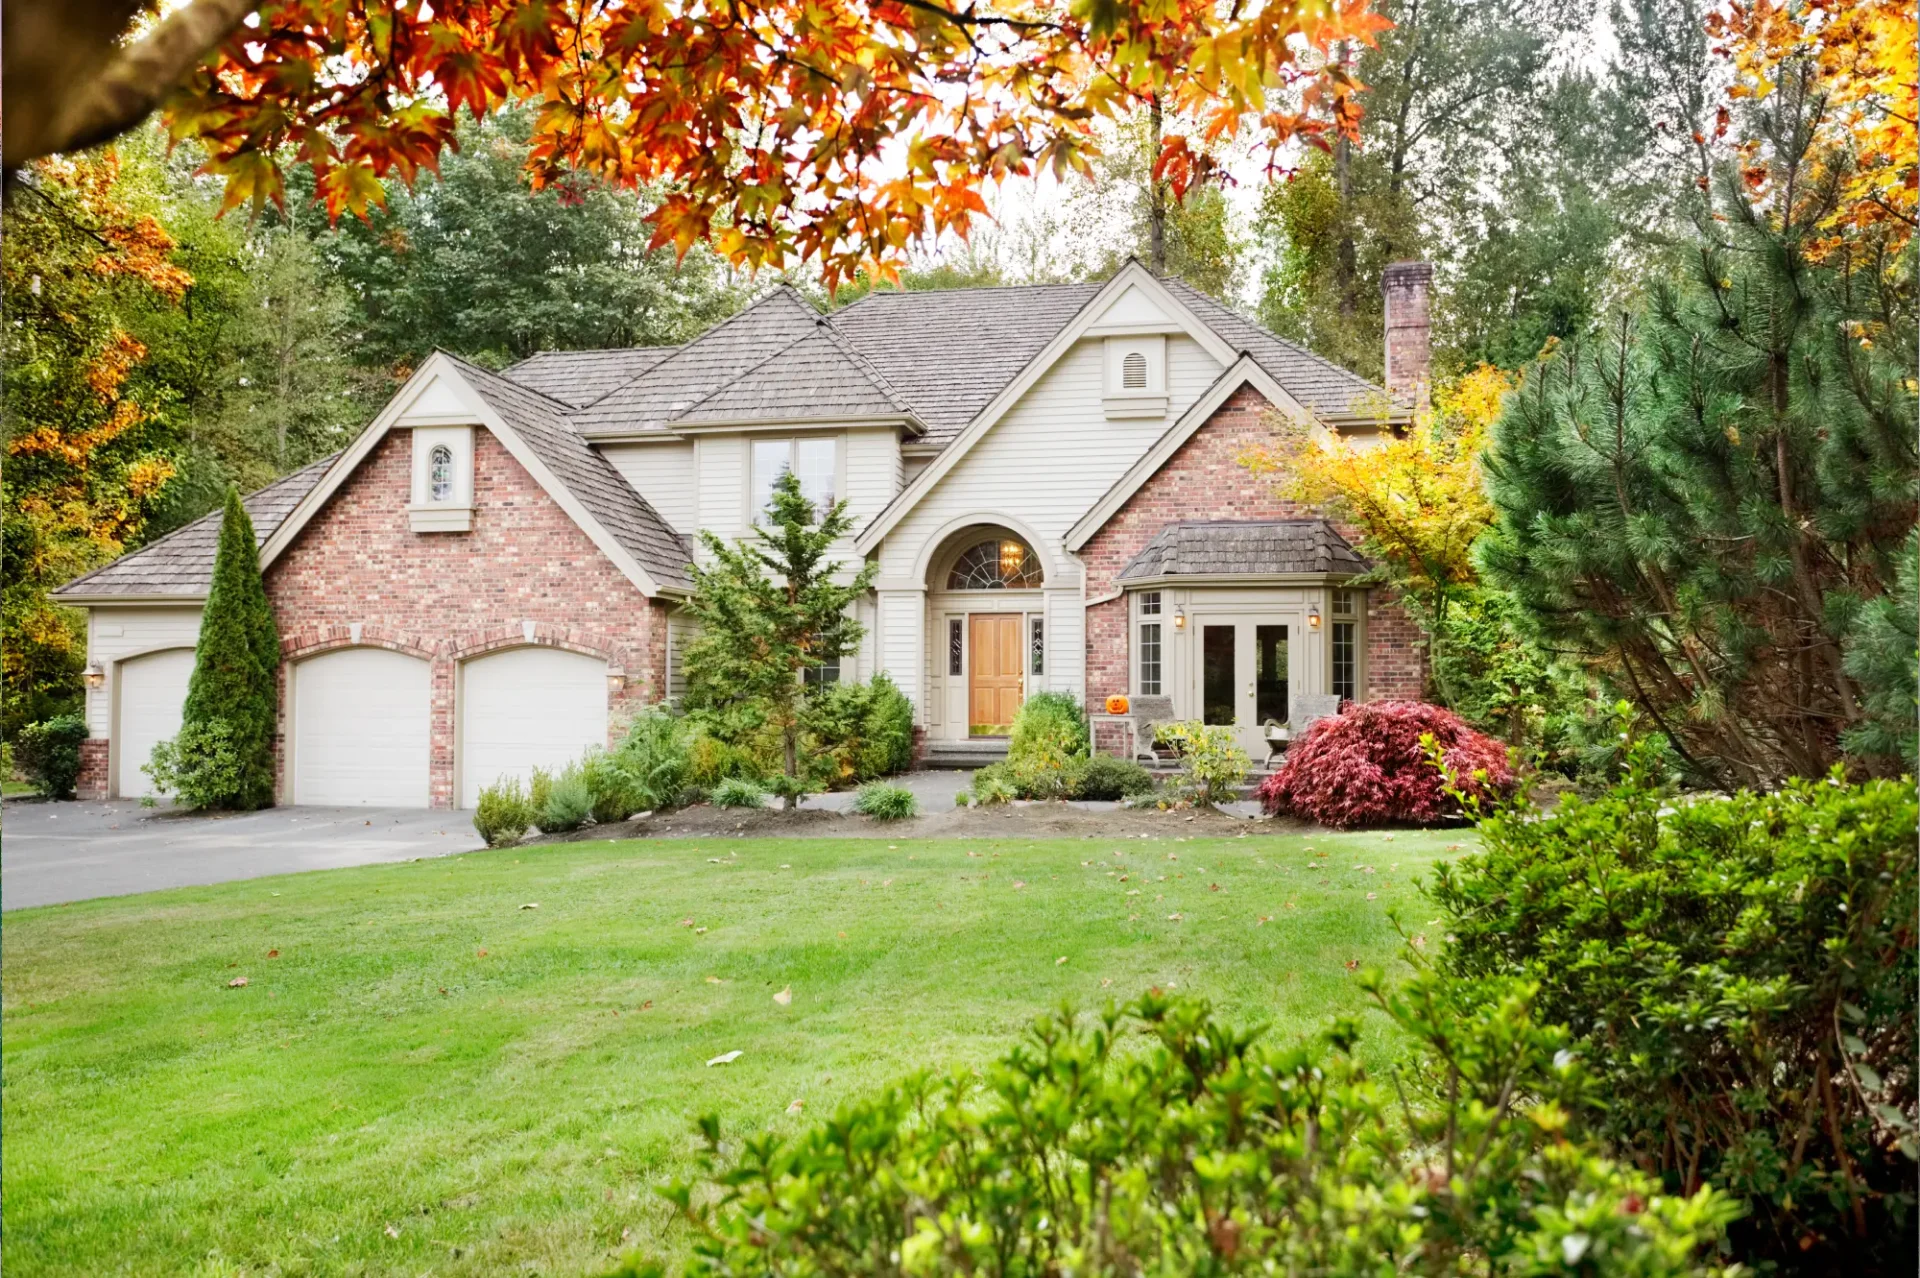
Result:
[440,473]
[1133,372]
[1004,563]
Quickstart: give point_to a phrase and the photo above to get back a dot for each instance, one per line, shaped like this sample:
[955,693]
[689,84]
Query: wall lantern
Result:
[616,680]
[1179,618]
[96,676]
[1313,618]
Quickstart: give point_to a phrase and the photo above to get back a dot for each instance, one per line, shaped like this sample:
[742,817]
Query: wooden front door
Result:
[996,679]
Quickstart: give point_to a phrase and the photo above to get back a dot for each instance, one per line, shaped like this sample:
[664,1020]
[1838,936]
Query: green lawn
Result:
[431,1077]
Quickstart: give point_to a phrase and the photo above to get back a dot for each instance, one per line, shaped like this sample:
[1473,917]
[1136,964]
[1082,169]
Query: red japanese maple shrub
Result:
[1366,766]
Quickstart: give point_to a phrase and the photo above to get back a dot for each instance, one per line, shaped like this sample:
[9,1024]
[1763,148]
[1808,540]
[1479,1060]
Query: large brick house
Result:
[491,577]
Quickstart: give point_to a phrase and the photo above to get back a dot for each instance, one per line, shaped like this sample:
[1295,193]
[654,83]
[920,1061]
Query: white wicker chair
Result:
[1146,714]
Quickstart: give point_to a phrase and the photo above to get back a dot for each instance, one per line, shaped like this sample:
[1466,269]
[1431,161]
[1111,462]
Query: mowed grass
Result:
[434,1077]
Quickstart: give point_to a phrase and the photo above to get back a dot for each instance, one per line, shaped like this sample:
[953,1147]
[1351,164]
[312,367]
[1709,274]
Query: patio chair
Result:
[1144,715]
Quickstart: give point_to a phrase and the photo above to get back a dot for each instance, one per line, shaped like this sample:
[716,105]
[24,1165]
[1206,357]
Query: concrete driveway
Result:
[54,852]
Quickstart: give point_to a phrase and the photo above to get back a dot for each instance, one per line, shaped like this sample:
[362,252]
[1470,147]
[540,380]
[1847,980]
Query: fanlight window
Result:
[1133,372]
[1001,564]
[440,473]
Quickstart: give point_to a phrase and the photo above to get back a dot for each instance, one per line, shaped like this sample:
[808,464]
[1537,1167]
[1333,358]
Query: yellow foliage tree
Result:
[1417,498]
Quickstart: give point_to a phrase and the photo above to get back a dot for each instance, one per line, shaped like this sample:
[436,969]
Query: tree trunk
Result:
[1156,191]
[1346,257]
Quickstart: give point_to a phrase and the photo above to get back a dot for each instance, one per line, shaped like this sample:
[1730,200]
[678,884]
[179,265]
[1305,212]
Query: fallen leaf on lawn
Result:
[796,1106]
[1352,965]
[973,854]
[713,860]
[1132,917]
[1387,837]
[479,953]
[886,882]
[646,1005]
[1174,917]
[236,982]
[392,1232]
[1019,883]
[699,931]
[726,1058]
[1292,906]
[1057,962]
[531,905]
[1453,847]
[1213,887]
[1174,856]
[443,989]
[1105,981]
[1420,942]
[785,866]
[1372,895]
[843,936]
[273,953]
[715,980]
[1133,891]
[784,997]
[686,922]
[1264,920]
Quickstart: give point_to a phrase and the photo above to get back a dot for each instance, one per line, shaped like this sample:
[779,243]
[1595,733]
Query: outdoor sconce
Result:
[1313,618]
[1179,618]
[616,680]
[96,676]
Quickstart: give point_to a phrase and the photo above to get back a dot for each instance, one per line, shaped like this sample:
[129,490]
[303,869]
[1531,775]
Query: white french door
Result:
[1245,675]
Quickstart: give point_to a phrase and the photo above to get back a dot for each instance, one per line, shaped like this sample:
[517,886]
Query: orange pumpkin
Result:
[1116,705]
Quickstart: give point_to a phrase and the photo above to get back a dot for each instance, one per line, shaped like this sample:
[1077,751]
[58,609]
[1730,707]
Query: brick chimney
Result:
[1405,287]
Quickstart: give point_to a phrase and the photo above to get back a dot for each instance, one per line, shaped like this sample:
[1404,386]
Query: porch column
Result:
[901,625]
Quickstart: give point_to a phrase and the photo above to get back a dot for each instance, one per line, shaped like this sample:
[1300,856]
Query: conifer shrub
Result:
[502,815]
[739,792]
[48,754]
[657,758]
[1738,973]
[1165,1140]
[1367,766]
[860,732]
[566,803]
[1049,731]
[235,668]
[885,802]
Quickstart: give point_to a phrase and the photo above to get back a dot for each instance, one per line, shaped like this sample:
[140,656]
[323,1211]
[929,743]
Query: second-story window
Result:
[814,462]
[440,473]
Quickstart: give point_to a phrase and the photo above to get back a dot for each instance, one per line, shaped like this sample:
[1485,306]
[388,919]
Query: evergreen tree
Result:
[1702,502]
[236,664]
[770,611]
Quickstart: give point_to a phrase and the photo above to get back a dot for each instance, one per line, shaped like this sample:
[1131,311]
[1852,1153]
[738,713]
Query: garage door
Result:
[152,690]
[527,708]
[360,727]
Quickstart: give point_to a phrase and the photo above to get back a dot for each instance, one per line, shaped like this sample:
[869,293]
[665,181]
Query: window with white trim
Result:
[815,462]
[440,473]
[1344,645]
[1037,645]
[1147,651]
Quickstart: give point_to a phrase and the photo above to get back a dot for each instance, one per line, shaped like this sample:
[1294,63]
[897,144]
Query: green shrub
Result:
[201,766]
[539,791]
[1203,1150]
[1212,766]
[48,754]
[739,792]
[860,731]
[885,802]
[1049,731]
[657,759]
[994,784]
[962,799]
[1105,777]
[615,796]
[567,803]
[503,814]
[236,662]
[1739,974]
[717,750]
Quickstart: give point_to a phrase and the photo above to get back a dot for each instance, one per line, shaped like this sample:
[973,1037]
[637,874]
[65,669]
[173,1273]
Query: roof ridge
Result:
[963,288]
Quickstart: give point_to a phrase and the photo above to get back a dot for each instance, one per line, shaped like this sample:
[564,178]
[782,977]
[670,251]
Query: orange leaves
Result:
[776,124]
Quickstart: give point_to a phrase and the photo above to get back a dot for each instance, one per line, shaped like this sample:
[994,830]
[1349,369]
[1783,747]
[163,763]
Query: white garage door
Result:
[360,729]
[527,708]
[152,690]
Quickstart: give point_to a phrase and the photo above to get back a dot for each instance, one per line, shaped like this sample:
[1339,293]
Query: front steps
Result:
[977,753]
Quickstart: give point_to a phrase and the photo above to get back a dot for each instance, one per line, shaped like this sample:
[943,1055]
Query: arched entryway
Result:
[986,631]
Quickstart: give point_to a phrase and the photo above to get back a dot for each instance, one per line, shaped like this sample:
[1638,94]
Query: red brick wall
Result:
[1202,480]
[92,781]
[450,596]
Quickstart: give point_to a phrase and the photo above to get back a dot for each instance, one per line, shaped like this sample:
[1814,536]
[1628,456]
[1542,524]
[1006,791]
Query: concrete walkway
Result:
[54,852]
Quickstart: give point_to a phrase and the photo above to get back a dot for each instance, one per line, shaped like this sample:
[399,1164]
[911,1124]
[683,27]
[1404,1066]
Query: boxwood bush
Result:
[1739,973]
[1368,766]
[1164,1141]
[1105,777]
[48,754]
[503,813]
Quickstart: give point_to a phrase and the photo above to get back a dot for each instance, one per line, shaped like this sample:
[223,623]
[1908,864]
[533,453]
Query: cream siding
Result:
[116,633]
[664,475]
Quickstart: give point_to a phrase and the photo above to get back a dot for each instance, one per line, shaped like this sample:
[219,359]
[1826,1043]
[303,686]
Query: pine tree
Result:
[235,666]
[770,611]
[1701,503]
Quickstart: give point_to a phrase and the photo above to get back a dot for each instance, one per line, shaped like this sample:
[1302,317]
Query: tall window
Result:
[954,646]
[1001,564]
[1037,645]
[440,473]
[815,462]
[1345,669]
[1149,647]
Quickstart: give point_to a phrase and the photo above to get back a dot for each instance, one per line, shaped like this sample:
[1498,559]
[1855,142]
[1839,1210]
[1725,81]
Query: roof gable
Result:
[1244,548]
